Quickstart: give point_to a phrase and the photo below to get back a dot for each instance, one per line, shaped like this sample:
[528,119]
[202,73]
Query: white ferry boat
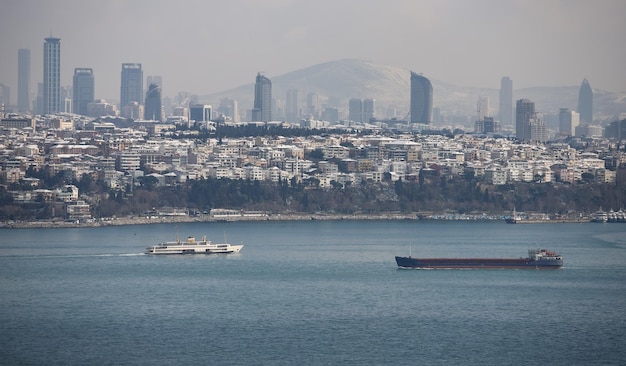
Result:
[191,246]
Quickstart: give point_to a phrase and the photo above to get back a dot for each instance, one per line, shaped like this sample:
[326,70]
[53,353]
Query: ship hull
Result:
[477,263]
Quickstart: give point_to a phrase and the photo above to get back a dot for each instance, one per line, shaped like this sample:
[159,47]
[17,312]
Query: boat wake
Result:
[79,255]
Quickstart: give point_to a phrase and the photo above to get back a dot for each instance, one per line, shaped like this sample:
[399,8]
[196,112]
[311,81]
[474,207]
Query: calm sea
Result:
[312,293]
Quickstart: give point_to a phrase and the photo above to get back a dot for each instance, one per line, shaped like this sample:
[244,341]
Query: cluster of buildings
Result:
[531,126]
[123,158]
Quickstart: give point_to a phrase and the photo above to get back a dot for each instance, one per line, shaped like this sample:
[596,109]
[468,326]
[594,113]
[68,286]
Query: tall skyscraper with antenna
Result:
[52,75]
[23,80]
[585,102]
[421,99]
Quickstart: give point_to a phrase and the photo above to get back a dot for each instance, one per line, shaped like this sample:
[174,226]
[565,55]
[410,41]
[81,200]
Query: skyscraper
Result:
[505,111]
[585,102]
[83,90]
[262,110]
[153,109]
[330,115]
[525,112]
[52,75]
[355,110]
[568,121]
[369,107]
[313,105]
[292,112]
[131,88]
[482,108]
[421,99]
[23,80]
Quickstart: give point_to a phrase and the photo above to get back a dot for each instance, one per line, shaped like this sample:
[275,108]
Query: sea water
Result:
[312,293]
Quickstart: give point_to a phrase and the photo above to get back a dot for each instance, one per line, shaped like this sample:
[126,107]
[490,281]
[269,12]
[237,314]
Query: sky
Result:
[207,46]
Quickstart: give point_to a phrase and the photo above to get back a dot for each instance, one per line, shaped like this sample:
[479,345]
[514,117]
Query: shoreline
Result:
[127,221]
[150,220]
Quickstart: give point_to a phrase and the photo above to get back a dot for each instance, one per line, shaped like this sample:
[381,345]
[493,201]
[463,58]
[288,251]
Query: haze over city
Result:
[206,47]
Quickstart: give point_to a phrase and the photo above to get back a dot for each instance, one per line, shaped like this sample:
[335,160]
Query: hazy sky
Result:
[205,46]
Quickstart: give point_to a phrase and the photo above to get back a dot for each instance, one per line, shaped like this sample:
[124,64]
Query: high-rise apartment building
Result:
[361,110]
[153,108]
[52,75]
[524,112]
[83,87]
[369,109]
[330,114]
[292,111]
[486,125]
[131,87]
[538,131]
[505,111]
[568,121]
[355,110]
[262,110]
[23,80]
[421,99]
[585,102]
[482,108]
[528,127]
[490,125]
[313,105]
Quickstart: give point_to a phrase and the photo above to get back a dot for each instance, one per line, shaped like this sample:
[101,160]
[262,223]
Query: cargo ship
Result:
[537,258]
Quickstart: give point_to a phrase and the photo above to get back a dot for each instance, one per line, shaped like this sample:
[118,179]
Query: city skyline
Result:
[570,52]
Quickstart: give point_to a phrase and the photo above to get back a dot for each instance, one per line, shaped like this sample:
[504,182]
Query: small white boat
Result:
[600,216]
[191,246]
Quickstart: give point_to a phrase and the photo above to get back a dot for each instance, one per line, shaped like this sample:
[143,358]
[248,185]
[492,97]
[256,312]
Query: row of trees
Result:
[432,193]
[371,198]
